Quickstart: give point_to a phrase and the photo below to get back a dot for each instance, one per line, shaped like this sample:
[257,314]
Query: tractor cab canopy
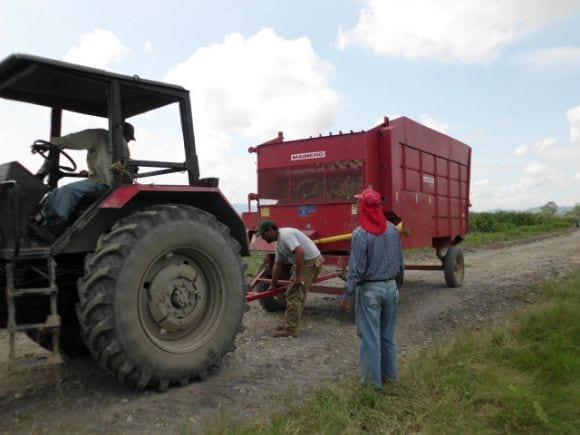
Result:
[64,86]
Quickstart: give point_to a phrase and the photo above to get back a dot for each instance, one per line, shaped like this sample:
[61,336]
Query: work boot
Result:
[286,333]
[56,226]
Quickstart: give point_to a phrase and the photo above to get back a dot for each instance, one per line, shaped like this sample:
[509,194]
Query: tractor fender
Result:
[125,200]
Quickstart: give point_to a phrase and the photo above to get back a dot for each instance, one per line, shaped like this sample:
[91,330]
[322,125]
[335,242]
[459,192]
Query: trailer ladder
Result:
[52,323]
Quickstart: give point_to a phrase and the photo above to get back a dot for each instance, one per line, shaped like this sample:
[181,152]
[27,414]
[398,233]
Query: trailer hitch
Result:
[256,296]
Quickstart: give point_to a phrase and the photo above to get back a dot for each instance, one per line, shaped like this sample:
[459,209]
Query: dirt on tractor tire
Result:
[264,374]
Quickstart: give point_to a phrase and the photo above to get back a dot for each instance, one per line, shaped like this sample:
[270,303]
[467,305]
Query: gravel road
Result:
[265,373]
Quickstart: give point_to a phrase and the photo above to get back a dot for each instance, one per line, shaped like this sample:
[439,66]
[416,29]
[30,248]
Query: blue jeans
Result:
[62,201]
[376,318]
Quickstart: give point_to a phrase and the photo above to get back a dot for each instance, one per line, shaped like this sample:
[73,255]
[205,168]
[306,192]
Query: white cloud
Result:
[573,116]
[435,124]
[541,148]
[449,30]
[147,46]
[22,124]
[544,145]
[535,168]
[98,49]
[246,89]
[255,86]
[552,176]
[522,150]
[554,58]
[535,185]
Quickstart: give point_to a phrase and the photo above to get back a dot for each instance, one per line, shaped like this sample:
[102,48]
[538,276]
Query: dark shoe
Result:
[56,226]
[286,333]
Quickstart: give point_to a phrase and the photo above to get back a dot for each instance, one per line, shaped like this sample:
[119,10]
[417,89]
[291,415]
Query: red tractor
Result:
[148,278]
[310,184]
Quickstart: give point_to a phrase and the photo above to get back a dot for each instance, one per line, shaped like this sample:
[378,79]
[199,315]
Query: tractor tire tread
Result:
[97,287]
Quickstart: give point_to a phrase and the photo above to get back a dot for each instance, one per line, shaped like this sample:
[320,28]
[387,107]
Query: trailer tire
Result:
[275,303]
[454,267]
[163,296]
[272,304]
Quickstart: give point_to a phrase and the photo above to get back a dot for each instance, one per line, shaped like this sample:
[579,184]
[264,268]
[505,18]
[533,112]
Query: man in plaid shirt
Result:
[376,260]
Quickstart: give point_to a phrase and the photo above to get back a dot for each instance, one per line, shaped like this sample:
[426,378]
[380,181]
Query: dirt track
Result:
[264,372]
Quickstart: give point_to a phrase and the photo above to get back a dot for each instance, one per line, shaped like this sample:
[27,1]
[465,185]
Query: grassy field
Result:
[254,263]
[503,226]
[522,377]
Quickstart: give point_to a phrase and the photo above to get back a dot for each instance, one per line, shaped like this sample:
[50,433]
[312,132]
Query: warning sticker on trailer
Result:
[428,179]
[308,156]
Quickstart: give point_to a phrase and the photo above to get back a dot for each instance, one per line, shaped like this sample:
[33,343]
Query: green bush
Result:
[506,220]
[509,225]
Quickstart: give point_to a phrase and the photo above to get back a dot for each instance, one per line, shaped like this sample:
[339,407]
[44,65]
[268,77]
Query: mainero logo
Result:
[308,156]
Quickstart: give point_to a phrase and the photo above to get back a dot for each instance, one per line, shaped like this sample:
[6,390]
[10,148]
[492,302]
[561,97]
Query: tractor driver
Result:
[60,203]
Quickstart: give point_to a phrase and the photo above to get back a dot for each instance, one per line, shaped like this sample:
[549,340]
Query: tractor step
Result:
[52,323]
[37,326]
[34,291]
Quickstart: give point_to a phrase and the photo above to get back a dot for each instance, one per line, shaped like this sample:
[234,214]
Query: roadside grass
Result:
[254,261]
[521,376]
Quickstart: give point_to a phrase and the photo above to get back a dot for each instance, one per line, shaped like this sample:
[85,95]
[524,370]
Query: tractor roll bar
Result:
[160,172]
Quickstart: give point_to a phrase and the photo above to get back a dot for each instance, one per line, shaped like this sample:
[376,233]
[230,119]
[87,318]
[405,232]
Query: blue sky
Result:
[503,76]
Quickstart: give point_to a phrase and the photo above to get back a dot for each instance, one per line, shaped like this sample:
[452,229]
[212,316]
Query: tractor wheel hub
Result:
[176,297]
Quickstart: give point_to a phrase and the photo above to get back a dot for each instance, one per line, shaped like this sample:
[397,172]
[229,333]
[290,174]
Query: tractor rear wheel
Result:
[163,296]
[454,267]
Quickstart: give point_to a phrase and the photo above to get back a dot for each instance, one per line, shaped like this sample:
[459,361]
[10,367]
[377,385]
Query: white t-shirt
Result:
[288,240]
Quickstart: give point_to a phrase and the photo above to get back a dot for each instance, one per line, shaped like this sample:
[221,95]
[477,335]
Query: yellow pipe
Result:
[332,239]
[345,237]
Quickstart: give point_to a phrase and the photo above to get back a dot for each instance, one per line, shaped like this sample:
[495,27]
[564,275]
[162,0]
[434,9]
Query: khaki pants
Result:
[296,293]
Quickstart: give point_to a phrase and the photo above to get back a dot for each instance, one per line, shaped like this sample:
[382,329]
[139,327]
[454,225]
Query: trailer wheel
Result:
[454,267]
[163,296]
[274,303]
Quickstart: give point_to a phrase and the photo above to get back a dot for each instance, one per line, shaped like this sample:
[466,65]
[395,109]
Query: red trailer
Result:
[309,184]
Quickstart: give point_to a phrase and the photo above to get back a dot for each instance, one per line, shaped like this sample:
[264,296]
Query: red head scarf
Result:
[372,218]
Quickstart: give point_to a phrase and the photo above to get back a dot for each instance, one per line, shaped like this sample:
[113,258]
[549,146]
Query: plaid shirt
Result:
[374,258]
